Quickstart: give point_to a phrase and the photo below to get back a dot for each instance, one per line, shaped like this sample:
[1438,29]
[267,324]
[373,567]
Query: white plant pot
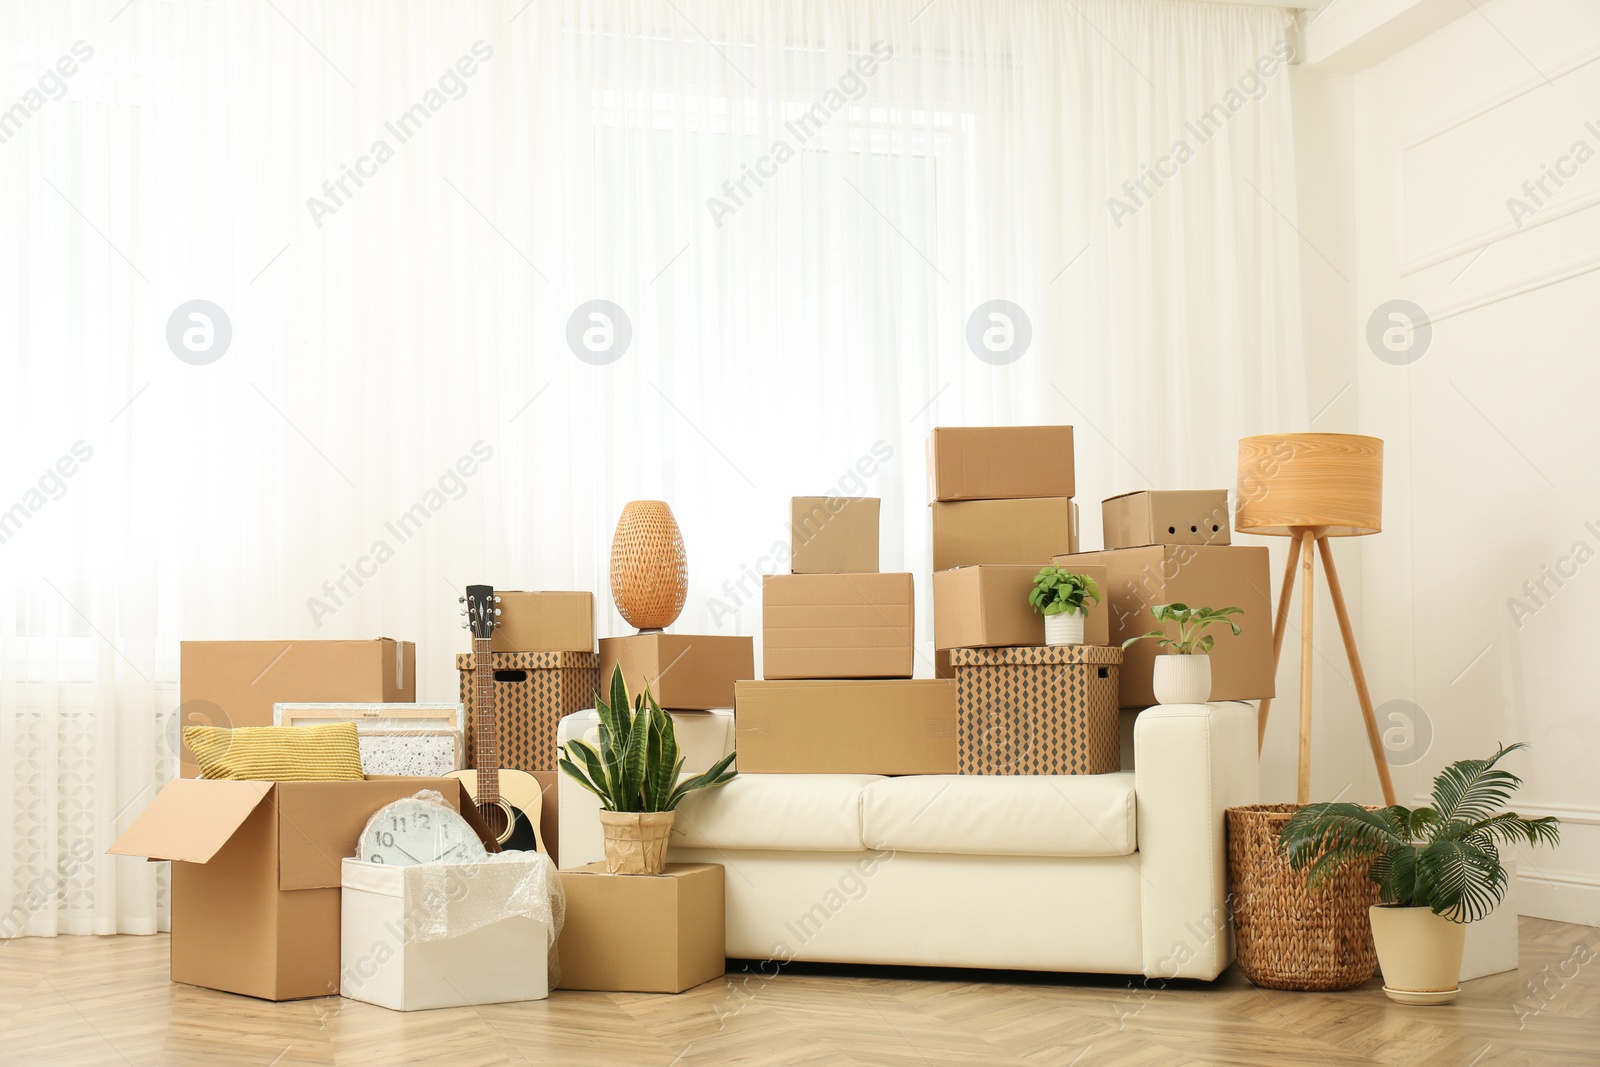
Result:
[1182,679]
[1063,629]
[1419,953]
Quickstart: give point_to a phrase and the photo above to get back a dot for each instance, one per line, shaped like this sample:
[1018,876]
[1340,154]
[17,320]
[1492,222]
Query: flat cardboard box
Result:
[999,462]
[236,683]
[1201,576]
[686,672]
[643,933]
[256,874]
[544,621]
[833,534]
[382,962]
[887,726]
[837,625]
[1166,517]
[987,607]
[973,532]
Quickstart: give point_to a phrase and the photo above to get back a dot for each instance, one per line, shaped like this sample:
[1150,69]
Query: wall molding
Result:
[1517,288]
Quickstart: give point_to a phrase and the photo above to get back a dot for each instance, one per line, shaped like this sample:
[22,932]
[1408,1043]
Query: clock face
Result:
[412,831]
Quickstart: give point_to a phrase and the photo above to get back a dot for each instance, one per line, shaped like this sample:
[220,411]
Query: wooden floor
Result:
[76,1000]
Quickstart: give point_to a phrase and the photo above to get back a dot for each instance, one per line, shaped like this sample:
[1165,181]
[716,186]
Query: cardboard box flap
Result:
[191,819]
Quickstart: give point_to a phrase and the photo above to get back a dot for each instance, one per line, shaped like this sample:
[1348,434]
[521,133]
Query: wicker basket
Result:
[1288,935]
[649,568]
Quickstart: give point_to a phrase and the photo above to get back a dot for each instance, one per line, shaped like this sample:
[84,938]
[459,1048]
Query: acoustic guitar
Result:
[510,801]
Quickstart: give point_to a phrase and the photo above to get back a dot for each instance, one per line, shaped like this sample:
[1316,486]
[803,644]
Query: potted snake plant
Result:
[635,772]
[1437,868]
[1059,596]
[1184,677]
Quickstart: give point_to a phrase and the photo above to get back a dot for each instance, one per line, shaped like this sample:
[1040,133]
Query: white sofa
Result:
[1121,873]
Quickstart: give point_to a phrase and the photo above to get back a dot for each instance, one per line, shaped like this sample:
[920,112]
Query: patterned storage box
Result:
[1037,710]
[533,691]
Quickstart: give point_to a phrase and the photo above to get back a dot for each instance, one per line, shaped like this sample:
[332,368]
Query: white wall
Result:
[1492,478]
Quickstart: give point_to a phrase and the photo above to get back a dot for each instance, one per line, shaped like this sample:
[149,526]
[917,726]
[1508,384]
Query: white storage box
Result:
[448,935]
[413,740]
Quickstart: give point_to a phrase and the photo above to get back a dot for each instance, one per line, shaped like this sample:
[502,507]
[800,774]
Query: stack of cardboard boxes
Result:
[837,694]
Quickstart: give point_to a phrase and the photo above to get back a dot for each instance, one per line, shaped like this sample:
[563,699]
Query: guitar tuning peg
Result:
[497,611]
[461,600]
[463,611]
[497,600]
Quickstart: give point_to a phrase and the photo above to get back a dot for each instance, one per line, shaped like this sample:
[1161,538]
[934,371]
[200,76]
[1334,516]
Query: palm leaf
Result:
[1324,837]
[1510,828]
[1467,880]
[1474,789]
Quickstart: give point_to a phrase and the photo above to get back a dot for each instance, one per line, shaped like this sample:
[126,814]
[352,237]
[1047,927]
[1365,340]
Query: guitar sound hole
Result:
[495,816]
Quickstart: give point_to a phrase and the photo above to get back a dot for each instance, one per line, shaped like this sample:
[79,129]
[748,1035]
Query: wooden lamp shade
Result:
[649,567]
[1330,482]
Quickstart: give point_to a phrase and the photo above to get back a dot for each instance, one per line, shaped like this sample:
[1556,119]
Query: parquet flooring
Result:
[74,1001]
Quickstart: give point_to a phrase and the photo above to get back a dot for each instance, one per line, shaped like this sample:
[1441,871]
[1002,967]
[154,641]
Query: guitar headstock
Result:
[480,611]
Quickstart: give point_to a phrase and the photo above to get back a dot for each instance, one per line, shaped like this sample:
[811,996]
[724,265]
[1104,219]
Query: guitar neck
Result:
[485,723]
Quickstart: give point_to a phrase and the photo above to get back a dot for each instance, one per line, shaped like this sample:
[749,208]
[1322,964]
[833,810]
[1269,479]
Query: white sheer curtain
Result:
[794,210]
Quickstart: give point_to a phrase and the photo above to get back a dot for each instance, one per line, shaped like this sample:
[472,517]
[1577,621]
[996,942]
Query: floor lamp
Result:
[1310,487]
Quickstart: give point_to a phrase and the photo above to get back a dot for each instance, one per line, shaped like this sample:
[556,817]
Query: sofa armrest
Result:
[1191,763]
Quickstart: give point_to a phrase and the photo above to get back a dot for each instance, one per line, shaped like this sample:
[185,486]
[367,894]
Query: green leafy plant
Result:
[637,766]
[1059,592]
[1445,857]
[1192,624]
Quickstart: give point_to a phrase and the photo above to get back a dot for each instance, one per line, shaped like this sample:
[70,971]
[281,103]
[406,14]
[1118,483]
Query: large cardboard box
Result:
[1166,517]
[833,534]
[837,625]
[533,692]
[643,933]
[496,960]
[686,672]
[987,607]
[972,532]
[255,877]
[236,683]
[887,726]
[544,621]
[999,462]
[1201,576]
[1037,710]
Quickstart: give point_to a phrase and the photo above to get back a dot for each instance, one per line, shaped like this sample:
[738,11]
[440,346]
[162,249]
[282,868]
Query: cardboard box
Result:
[837,625]
[1214,576]
[1037,710]
[999,462]
[888,726]
[1166,517]
[987,607]
[546,621]
[833,534]
[236,683]
[643,933]
[533,692]
[973,532]
[686,672]
[381,963]
[255,877]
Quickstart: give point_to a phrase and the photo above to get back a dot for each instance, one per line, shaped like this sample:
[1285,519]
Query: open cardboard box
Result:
[256,874]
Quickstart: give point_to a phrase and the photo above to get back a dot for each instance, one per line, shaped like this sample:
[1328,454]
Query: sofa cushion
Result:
[788,812]
[1002,815]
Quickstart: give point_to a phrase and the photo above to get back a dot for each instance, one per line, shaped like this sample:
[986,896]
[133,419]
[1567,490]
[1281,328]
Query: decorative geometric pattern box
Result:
[1037,709]
[533,692]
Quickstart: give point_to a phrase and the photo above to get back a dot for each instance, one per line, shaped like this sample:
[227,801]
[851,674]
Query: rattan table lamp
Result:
[649,568]
[1310,487]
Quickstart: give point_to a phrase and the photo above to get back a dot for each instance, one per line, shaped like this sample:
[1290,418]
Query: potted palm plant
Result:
[635,772]
[1059,596]
[1184,677]
[1436,868]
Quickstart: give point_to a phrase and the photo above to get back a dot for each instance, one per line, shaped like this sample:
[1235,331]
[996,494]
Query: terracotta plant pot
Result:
[1063,629]
[1419,953]
[1182,679]
[636,842]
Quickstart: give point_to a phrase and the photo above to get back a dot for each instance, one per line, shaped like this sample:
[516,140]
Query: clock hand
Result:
[409,856]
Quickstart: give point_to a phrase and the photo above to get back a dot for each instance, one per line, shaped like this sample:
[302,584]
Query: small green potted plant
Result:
[635,772]
[1184,676]
[1437,868]
[1059,596]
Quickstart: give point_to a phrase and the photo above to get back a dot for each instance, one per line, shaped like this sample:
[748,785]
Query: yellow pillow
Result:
[277,753]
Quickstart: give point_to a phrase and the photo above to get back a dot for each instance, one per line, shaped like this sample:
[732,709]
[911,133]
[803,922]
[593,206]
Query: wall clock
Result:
[415,830]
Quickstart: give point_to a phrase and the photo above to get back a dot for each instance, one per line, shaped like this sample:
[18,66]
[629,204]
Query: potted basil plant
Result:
[1184,676]
[1437,868]
[635,772]
[1059,596]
